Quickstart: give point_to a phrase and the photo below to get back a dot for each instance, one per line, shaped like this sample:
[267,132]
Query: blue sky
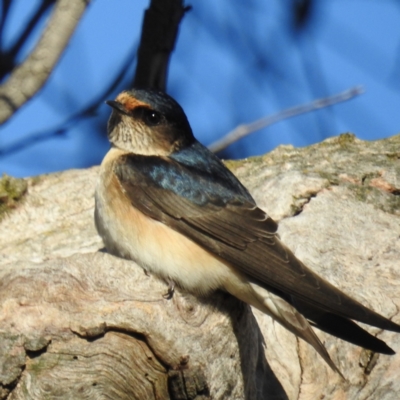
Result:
[234,62]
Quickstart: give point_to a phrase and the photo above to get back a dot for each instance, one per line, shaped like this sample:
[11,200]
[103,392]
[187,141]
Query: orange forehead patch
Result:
[130,102]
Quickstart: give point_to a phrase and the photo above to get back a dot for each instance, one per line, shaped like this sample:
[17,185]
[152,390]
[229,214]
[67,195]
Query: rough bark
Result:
[76,323]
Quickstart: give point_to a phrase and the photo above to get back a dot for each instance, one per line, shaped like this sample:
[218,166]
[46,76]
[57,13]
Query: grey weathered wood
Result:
[76,323]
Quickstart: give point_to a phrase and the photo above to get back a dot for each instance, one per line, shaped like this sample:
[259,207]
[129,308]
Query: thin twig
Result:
[246,129]
[89,111]
[28,78]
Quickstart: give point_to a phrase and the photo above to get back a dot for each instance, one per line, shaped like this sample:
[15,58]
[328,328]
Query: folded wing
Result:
[224,219]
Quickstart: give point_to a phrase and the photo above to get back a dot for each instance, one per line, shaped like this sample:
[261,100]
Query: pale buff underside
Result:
[128,233]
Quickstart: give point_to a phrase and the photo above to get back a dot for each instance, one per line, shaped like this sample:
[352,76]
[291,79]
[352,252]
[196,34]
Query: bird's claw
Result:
[171,290]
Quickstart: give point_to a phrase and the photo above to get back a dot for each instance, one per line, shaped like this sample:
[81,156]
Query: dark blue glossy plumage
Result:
[167,106]
[193,173]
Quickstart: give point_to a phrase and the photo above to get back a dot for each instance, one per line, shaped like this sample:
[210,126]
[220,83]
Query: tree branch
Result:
[27,79]
[89,111]
[9,57]
[244,130]
[159,32]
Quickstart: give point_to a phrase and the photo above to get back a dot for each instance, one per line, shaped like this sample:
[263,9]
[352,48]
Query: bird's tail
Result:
[291,319]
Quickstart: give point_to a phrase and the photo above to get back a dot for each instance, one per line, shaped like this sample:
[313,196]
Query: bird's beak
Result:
[117,106]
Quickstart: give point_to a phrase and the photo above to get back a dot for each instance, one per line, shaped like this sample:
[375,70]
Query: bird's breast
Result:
[130,234]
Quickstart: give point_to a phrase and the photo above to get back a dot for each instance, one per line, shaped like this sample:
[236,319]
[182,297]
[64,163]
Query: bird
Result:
[168,203]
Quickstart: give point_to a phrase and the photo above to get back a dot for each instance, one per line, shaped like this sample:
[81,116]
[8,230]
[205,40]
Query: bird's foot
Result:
[171,290]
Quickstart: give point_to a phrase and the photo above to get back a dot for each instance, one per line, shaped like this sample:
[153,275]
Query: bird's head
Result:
[148,122]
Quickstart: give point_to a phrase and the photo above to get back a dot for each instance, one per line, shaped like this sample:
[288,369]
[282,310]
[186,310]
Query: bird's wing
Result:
[220,217]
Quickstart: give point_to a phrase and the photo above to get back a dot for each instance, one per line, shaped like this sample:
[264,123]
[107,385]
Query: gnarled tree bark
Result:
[77,323]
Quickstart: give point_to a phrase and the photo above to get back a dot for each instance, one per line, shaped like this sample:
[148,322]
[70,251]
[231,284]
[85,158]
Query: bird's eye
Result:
[147,115]
[151,117]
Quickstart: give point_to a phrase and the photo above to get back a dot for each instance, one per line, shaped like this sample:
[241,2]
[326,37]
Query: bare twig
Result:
[89,111]
[26,80]
[244,130]
[9,55]
[159,32]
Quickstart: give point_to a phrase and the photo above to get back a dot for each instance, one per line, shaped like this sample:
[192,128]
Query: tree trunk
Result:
[77,323]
